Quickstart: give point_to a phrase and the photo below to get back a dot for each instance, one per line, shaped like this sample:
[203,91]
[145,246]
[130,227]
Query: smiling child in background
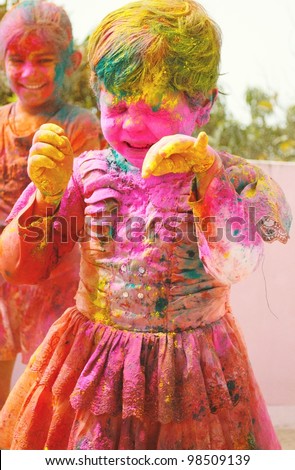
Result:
[36,50]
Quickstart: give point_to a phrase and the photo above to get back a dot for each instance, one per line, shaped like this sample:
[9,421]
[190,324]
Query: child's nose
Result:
[133,121]
[28,69]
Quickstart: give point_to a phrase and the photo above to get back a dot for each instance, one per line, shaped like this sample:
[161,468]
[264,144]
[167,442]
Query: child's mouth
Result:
[33,87]
[138,146]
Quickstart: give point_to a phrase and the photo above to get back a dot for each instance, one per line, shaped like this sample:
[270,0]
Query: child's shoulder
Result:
[235,164]
[4,111]
[230,160]
[242,172]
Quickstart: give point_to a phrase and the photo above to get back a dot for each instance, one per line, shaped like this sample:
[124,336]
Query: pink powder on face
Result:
[35,71]
[131,127]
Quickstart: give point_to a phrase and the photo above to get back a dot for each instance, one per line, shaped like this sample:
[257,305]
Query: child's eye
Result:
[46,60]
[16,60]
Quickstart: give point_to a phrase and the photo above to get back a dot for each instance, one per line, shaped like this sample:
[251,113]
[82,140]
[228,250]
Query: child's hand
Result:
[179,154]
[50,162]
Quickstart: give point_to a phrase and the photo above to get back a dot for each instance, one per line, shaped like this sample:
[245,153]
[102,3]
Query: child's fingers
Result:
[174,164]
[48,150]
[66,147]
[181,165]
[48,137]
[64,143]
[201,143]
[165,149]
[151,162]
[204,157]
[37,162]
[49,126]
[154,156]
[176,143]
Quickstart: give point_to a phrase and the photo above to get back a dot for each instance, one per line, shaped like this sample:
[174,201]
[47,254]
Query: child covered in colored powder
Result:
[150,356]
[36,49]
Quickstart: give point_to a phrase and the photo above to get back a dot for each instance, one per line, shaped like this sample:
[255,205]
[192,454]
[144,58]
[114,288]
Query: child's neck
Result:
[25,120]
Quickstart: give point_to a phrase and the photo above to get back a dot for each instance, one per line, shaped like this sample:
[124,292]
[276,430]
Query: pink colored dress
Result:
[150,357]
[26,313]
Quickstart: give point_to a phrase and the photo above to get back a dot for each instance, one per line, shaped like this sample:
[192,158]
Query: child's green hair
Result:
[164,44]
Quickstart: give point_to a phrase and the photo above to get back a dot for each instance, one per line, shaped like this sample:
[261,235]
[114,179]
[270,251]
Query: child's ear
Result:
[212,95]
[203,115]
[74,62]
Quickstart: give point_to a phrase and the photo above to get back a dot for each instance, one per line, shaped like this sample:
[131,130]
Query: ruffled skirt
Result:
[92,386]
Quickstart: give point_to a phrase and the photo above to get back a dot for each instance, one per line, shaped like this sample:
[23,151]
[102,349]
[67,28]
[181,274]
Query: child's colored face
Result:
[131,127]
[34,70]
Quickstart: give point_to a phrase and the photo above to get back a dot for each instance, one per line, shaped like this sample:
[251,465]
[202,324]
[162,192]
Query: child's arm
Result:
[233,205]
[51,217]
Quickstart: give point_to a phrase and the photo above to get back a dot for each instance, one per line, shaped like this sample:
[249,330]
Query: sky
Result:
[258,44]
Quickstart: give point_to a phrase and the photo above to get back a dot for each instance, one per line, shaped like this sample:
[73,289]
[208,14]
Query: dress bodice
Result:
[140,266]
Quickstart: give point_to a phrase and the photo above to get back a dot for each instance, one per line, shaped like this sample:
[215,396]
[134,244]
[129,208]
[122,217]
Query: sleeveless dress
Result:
[150,357]
[26,313]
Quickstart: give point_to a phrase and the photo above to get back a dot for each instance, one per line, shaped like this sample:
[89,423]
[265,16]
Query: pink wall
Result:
[271,340]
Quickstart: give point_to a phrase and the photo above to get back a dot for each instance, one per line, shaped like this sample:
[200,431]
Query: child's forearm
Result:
[43,207]
[31,245]
[24,254]
[204,179]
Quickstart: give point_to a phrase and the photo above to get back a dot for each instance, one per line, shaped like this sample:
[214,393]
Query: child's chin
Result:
[135,161]
[135,157]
